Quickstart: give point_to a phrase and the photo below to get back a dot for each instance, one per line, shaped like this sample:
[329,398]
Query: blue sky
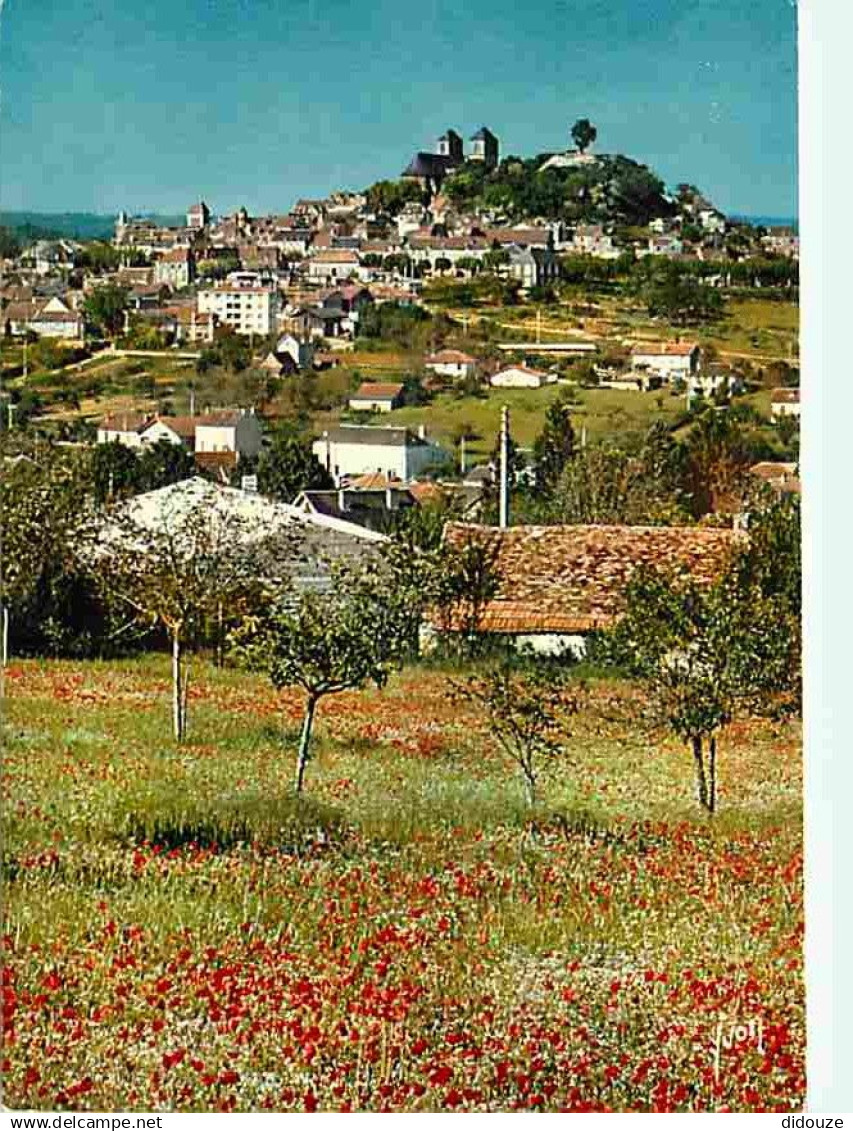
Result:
[147,104]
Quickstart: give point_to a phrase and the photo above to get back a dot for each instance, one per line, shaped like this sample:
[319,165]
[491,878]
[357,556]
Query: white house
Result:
[591,239]
[123,428]
[55,319]
[175,268]
[375,396]
[237,432]
[532,266]
[520,377]
[333,263]
[785,402]
[356,449]
[671,361]
[300,350]
[248,309]
[451,363]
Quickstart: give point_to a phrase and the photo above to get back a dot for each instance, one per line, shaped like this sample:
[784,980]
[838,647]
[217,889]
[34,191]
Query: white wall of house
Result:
[668,366]
[301,352]
[129,439]
[244,437]
[371,404]
[785,408]
[452,368]
[517,379]
[160,431]
[402,461]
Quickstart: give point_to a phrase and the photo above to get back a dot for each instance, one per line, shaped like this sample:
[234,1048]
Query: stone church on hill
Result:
[430,169]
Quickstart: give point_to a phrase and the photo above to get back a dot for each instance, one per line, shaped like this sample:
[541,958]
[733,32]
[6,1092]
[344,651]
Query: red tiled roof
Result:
[521,369]
[335,255]
[379,389]
[782,476]
[785,396]
[450,357]
[664,349]
[573,578]
[126,422]
[376,480]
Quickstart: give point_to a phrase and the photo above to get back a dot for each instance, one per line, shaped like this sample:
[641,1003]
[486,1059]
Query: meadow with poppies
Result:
[181,933]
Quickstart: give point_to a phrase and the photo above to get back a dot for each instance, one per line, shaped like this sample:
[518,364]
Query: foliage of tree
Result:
[118,471]
[288,466]
[48,606]
[100,257]
[191,566]
[554,446]
[584,134]
[390,197]
[679,297]
[612,189]
[526,708]
[463,580]
[393,321]
[705,655]
[325,643]
[10,246]
[229,351]
[105,308]
[603,486]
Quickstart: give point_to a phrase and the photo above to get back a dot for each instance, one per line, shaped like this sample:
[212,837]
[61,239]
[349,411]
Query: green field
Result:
[182,934]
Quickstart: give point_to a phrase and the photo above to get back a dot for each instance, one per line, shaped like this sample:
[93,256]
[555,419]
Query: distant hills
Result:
[71,225]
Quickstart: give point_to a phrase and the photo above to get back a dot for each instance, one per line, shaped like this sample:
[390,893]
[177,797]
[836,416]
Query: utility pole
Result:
[504,470]
[462,453]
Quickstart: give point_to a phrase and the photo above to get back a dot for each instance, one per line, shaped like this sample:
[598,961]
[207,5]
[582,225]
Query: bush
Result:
[169,818]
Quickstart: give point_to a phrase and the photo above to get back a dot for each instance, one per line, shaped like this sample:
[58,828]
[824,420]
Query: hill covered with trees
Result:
[607,189]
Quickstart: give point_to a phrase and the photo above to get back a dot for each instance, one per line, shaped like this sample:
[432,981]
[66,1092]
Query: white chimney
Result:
[421,431]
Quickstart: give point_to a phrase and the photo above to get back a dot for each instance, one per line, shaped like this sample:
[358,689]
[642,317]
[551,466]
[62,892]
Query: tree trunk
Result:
[699,763]
[177,699]
[304,739]
[530,788]
[712,775]
[185,694]
[4,650]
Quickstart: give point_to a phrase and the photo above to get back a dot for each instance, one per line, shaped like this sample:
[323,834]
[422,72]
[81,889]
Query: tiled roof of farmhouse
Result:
[450,357]
[573,578]
[785,396]
[379,390]
[126,422]
[664,349]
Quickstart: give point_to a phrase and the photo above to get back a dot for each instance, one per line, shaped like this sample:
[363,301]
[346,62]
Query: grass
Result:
[602,412]
[184,934]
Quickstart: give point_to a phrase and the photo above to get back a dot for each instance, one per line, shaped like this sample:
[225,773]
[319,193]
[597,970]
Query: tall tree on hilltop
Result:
[584,134]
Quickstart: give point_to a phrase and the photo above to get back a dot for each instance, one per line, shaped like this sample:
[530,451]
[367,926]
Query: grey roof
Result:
[482,133]
[429,165]
[373,434]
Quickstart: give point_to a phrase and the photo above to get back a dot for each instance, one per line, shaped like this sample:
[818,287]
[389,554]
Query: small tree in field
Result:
[707,655]
[190,566]
[525,710]
[326,643]
[459,585]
